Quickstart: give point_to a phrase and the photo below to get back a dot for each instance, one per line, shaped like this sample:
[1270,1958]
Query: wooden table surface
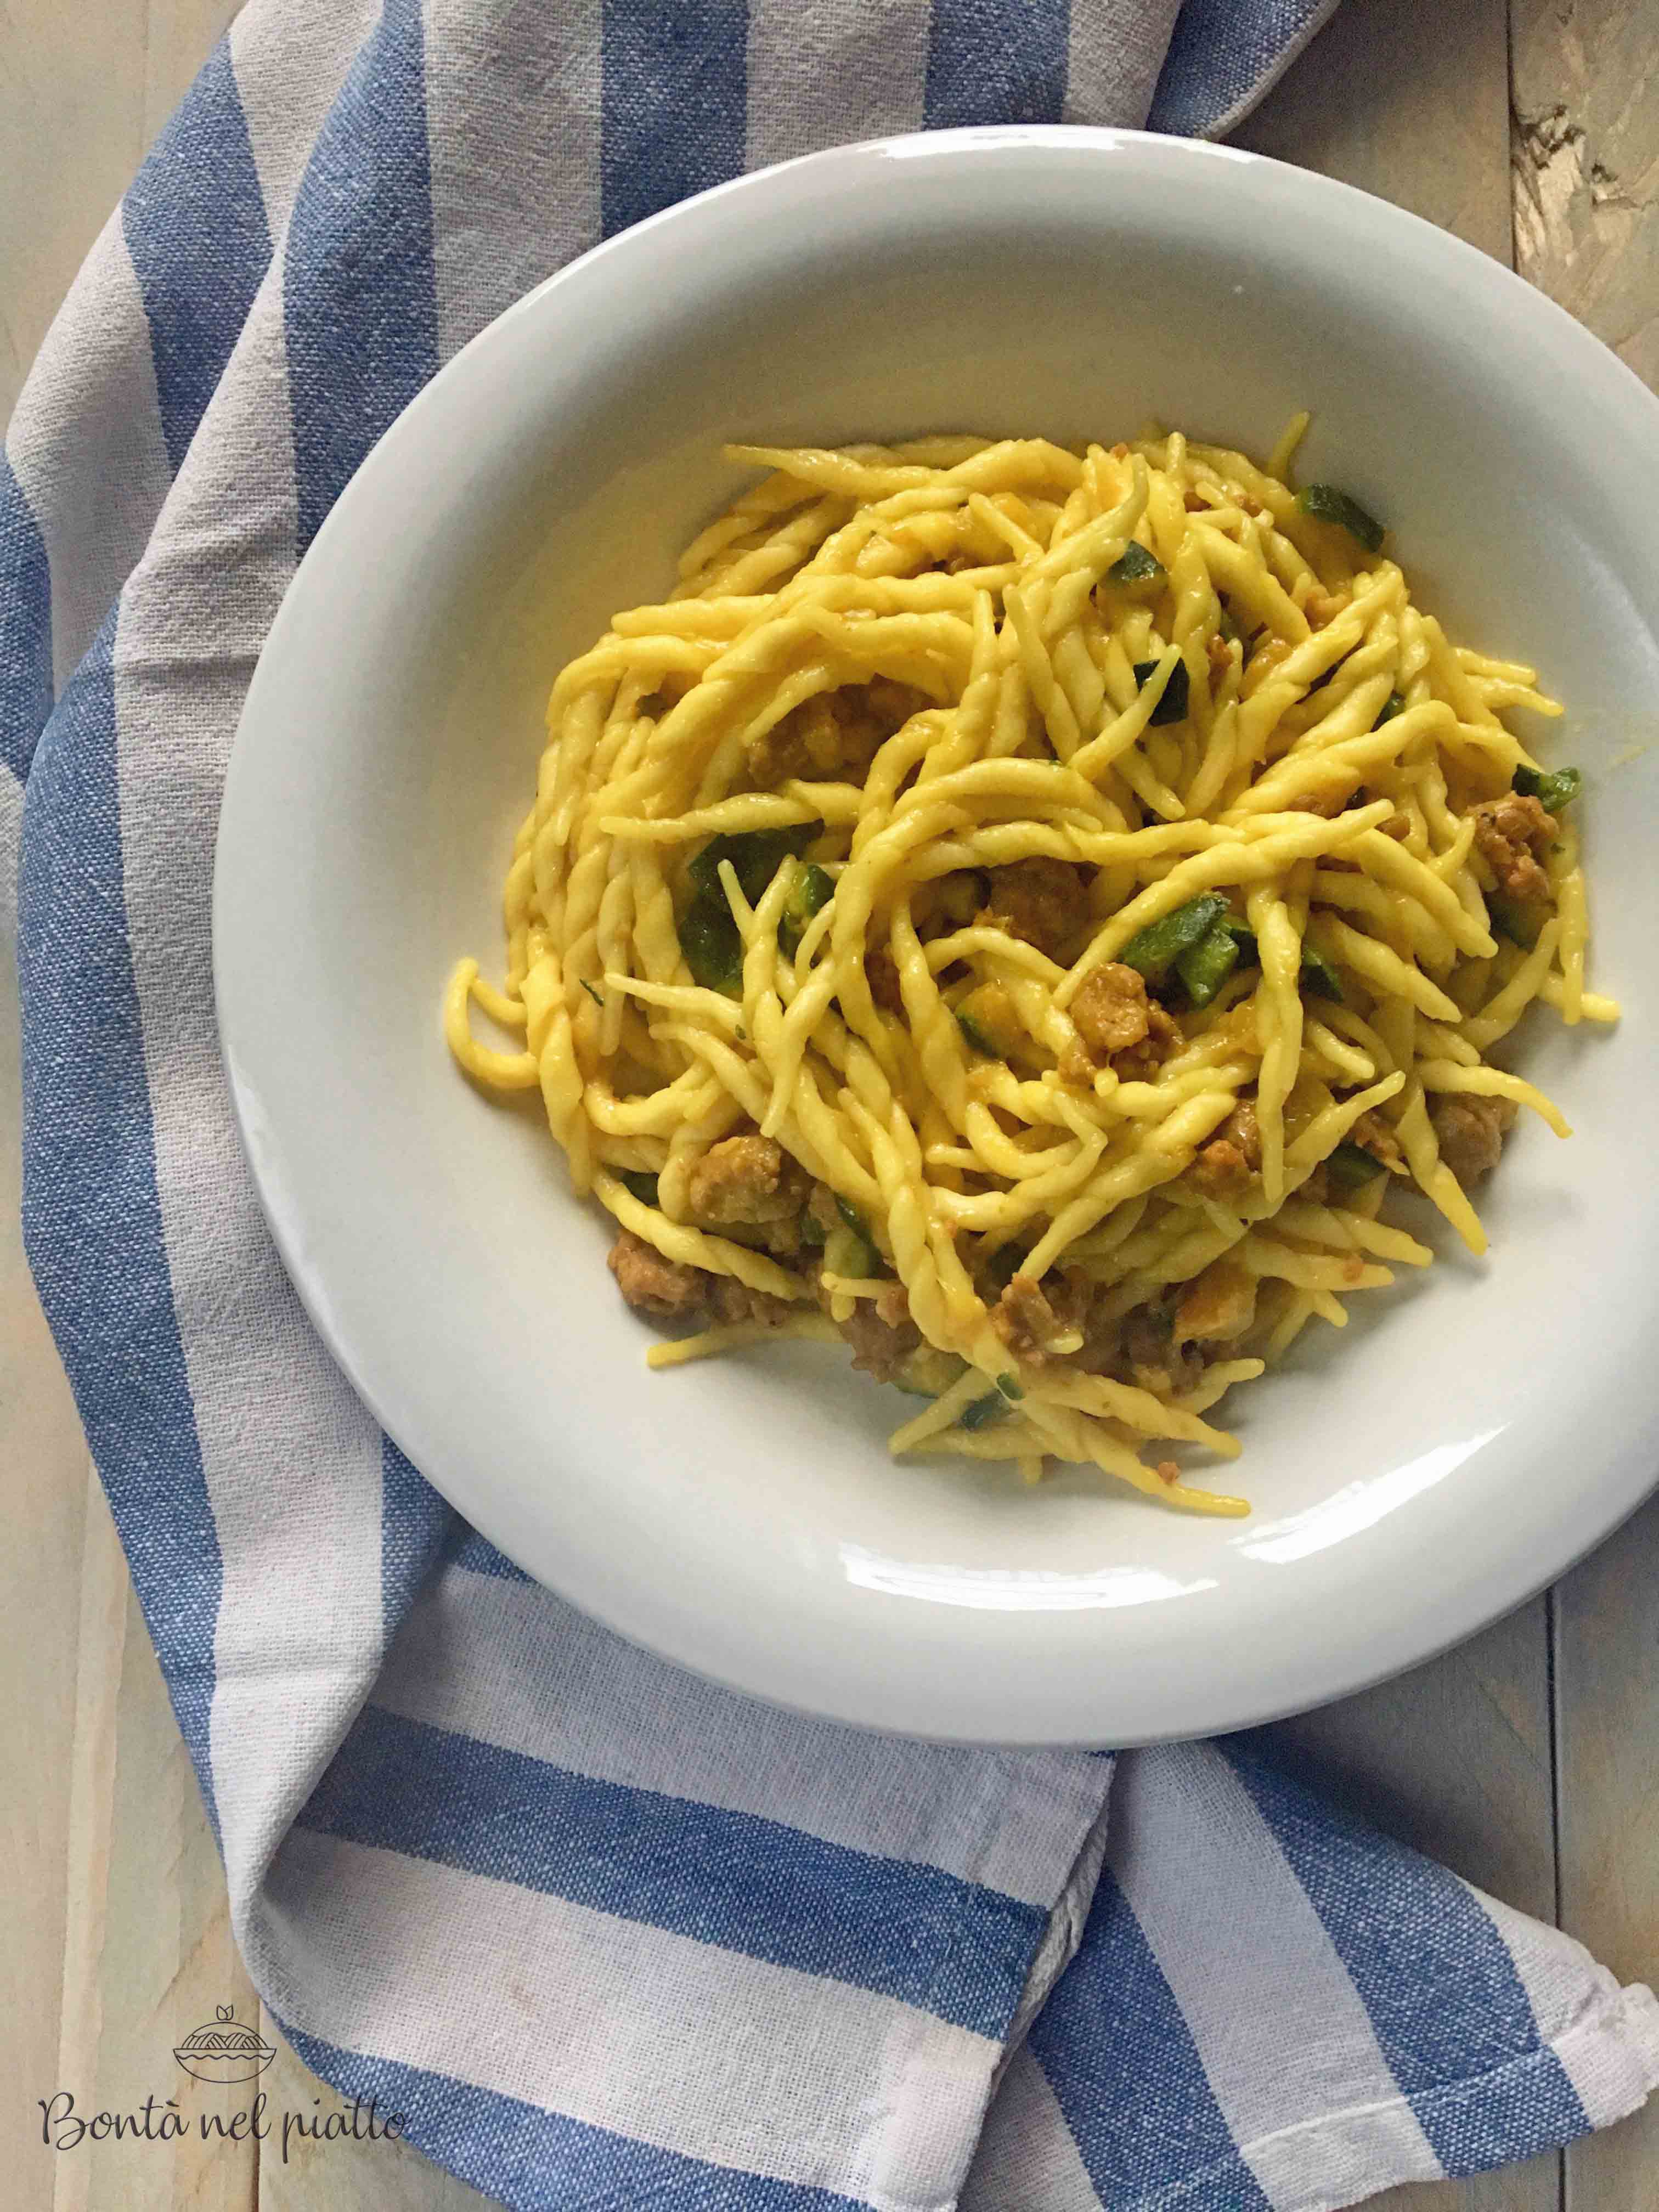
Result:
[1527,1760]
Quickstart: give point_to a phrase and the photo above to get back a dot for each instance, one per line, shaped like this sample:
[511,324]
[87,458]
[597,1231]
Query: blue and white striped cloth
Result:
[607,1935]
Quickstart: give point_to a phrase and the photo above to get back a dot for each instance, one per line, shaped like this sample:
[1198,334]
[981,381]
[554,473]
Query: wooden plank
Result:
[1454,1759]
[1586,152]
[117,1938]
[82,92]
[180,34]
[1406,101]
[1607,1689]
[147,1869]
[117,1912]
[96,1675]
[1586,182]
[1412,103]
[72,94]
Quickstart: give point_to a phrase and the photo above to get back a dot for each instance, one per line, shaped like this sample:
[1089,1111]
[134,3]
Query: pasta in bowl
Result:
[1024,910]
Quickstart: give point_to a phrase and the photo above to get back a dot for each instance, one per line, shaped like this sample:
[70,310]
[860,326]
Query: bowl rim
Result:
[1593,362]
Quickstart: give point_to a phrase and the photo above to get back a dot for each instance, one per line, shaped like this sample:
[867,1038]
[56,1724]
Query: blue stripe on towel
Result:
[1220,51]
[414,1524]
[360,299]
[194,212]
[480,1557]
[537,2160]
[92,1214]
[25,627]
[1433,1973]
[1122,2062]
[674,94]
[730,1878]
[996,61]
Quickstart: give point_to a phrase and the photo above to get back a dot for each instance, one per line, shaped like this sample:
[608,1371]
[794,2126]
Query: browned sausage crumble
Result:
[1470,1132]
[835,734]
[1512,835]
[1045,901]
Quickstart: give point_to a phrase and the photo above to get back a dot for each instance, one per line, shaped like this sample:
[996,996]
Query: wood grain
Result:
[1408,101]
[1585,146]
[83,89]
[167,1960]
[1608,1688]
[1586,155]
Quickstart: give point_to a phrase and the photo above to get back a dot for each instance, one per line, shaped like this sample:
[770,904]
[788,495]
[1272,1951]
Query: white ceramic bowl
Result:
[1465,1438]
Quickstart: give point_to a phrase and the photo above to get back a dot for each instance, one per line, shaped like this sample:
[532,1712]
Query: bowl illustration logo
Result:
[224,2051]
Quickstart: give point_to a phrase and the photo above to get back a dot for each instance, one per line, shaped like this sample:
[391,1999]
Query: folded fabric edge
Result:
[1610,2054]
[1064,1933]
[1184,103]
[1289,54]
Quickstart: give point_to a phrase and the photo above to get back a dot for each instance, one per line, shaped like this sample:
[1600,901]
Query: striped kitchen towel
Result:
[606,1935]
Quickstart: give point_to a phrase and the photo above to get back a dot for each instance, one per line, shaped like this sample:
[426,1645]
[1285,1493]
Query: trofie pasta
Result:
[1022,910]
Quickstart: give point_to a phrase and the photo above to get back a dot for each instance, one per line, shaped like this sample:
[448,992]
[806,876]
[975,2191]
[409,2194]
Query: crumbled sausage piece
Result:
[1155,1360]
[890,704]
[880,1346]
[744,1183]
[1221,1170]
[1111,1011]
[835,733]
[1323,607]
[1141,1063]
[1243,1128]
[731,1300]
[665,1289]
[1041,900]
[1217,1306]
[1029,1316]
[1074,1064]
[1232,1156]
[949,901]
[1116,1021]
[1220,653]
[1033,1317]
[1101,1351]
[1023,1318]
[822,1207]
[882,975]
[1374,1135]
[1471,1132]
[1513,834]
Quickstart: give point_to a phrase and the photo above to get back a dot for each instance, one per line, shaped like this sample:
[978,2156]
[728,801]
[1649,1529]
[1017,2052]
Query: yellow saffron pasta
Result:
[1023,910]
